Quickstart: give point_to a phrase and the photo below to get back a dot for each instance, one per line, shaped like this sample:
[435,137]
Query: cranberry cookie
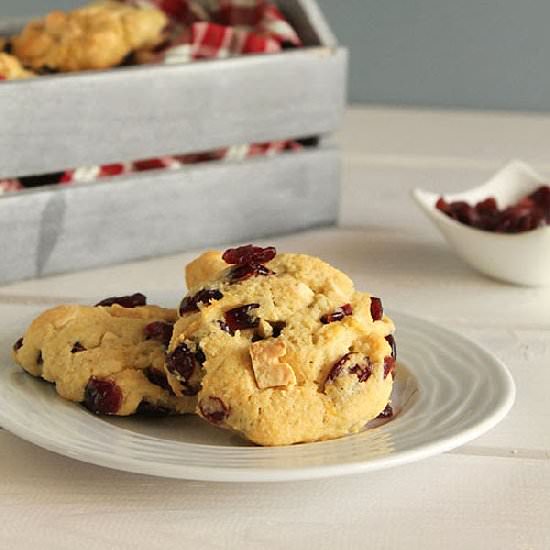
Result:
[96,36]
[110,357]
[280,348]
[11,68]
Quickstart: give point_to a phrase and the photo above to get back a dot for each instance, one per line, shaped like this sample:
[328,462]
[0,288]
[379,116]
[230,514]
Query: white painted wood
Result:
[469,138]
[451,501]
[493,493]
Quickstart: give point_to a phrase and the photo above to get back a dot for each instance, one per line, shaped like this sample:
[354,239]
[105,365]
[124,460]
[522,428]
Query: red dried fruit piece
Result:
[249,254]
[239,319]
[442,204]
[389,365]
[243,272]
[158,378]
[204,296]
[488,205]
[77,347]
[337,367]
[337,314]
[160,331]
[541,197]
[183,363]
[147,409]
[102,396]
[213,409]
[362,369]
[530,212]
[376,308]
[278,327]
[135,300]
[387,412]
[224,327]
[18,344]
[391,341]
[517,219]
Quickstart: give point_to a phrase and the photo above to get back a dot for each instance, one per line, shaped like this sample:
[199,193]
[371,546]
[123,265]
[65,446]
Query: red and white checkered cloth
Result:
[210,29]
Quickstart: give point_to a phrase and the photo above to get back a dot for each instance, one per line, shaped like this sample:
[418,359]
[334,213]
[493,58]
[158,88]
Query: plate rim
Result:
[309,472]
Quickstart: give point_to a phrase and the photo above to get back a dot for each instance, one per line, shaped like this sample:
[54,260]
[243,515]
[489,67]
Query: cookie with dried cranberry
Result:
[281,348]
[109,357]
[97,36]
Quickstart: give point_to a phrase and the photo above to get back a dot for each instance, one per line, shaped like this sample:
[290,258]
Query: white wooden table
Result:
[491,494]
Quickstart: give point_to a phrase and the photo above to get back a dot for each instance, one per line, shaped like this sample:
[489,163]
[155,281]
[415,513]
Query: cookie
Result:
[96,36]
[280,348]
[108,357]
[11,68]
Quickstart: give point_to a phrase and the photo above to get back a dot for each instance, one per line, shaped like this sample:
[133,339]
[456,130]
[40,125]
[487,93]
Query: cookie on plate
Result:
[96,36]
[108,357]
[11,68]
[280,348]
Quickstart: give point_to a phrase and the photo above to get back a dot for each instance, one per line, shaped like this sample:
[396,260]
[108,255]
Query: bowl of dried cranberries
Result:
[501,228]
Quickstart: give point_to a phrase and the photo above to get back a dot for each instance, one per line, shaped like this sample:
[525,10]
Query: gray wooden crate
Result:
[63,121]
[46,231]
[58,122]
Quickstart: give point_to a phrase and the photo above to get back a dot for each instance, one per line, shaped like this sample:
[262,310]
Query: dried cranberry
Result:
[77,347]
[337,314]
[204,296]
[249,254]
[528,213]
[102,396]
[488,205]
[387,412]
[278,327]
[182,361]
[239,319]
[224,327]
[541,197]
[160,331]
[376,309]
[147,409]
[135,300]
[362,369]
[200,356]
[389,365]
[245,271]
[337,368]
[391,341]
[158,378]
[18,344]
[213,409]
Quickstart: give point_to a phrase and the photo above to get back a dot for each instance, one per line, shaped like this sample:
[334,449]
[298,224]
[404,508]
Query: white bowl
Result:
[519,258]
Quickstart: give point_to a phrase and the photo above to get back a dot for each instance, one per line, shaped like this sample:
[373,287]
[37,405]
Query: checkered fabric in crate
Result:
[211,29]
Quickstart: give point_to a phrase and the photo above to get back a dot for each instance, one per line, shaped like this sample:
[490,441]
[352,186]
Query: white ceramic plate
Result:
[448,391]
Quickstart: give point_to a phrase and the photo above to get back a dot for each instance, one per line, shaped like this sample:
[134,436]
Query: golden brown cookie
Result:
[108,357]
[11,68]
[96,36]
[280,348]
